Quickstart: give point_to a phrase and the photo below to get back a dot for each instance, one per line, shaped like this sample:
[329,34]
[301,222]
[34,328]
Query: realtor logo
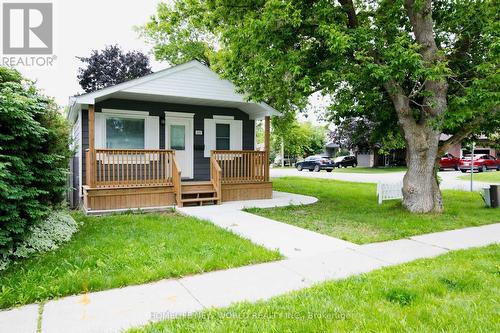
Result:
[27,28]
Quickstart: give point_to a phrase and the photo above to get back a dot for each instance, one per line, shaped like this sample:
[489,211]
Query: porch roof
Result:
[189,83]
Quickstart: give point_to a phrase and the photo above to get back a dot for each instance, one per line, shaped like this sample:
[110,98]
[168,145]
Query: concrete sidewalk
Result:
[319,259]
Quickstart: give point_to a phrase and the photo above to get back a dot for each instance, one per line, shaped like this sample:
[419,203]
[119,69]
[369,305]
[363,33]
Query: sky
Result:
[84,25]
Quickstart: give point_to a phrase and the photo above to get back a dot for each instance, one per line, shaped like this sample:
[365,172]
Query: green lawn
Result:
[369,170]
[487,177]
[456,292]
[350,211]
[120,250]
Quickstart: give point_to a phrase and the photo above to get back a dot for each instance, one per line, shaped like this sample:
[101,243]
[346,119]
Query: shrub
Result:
[34,157]
[46,236]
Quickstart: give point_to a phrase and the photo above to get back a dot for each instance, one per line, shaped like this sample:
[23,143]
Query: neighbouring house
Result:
[482,146]
[331,148]
[178,136]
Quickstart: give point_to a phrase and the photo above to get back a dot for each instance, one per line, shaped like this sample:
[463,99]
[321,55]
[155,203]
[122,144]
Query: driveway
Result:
[449,179]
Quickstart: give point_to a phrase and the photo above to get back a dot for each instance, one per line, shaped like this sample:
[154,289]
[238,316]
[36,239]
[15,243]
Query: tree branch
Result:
[420,15]
[401,103]
[348,7]
[465,131]
[415,91]
[422,24]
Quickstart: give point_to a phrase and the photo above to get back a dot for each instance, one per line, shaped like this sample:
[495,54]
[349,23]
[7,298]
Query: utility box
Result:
[494,196]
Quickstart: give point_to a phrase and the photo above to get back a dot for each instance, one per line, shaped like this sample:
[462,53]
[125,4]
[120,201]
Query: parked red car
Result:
[479,163]
[448,161]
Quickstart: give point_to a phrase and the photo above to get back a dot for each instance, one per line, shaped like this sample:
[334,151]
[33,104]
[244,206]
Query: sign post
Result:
[472,165]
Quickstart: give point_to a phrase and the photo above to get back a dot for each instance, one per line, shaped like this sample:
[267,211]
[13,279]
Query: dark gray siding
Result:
[201,164]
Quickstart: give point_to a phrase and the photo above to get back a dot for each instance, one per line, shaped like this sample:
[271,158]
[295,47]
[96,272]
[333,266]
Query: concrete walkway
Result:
[315,259]
[289,240]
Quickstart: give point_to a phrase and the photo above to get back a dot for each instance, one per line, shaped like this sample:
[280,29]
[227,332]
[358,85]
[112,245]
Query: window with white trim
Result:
[222,136]
[124,129]
[125,133]
[229,136]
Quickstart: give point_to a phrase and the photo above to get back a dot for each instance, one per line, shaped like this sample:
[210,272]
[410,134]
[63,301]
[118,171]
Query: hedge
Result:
[34,157]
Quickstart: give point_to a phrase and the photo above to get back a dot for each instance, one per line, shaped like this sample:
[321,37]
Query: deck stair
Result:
[198,194]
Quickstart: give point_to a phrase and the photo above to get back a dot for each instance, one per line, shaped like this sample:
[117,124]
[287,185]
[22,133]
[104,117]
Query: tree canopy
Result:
[417,67]
[111,66]
[283,51]
[300,139]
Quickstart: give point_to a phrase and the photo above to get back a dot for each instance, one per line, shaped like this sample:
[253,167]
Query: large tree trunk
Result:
[421,192]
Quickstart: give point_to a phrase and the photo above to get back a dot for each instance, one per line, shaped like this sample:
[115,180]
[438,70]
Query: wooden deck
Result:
[134,179]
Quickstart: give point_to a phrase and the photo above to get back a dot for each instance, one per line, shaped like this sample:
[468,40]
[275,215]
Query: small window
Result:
[178,137]
[222,135]
[124,133]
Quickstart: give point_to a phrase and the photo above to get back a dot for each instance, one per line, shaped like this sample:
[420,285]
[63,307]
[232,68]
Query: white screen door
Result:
[179,137]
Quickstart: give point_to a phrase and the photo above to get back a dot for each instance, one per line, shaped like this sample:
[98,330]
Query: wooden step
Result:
[194,191]
[199,199]
[198,193]
[196,184]
[195,188]
[201,182]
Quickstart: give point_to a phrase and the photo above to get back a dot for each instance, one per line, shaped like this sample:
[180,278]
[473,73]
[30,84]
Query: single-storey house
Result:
[178,136]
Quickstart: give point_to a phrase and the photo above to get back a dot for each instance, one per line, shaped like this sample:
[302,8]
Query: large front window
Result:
[222,136]
[124,133]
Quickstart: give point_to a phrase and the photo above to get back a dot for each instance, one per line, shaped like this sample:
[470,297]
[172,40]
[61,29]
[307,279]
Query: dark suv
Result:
[315,163]
[345,161]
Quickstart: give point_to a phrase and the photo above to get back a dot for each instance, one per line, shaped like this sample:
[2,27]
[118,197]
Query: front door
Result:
[179,137]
